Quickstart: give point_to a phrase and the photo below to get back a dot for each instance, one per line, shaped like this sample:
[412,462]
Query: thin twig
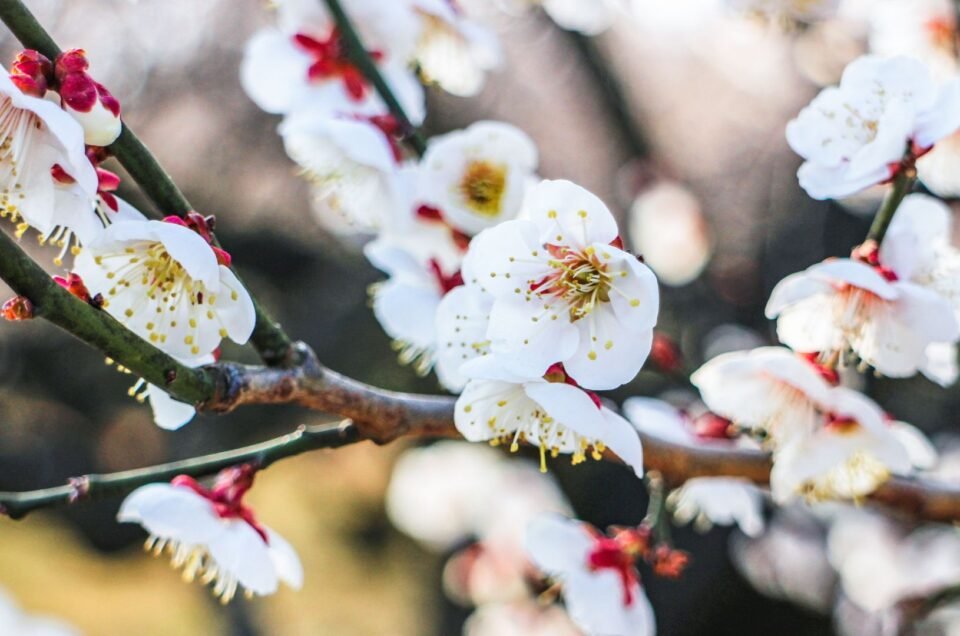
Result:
[360,57]
[306,438]
[902,184]
[268,337]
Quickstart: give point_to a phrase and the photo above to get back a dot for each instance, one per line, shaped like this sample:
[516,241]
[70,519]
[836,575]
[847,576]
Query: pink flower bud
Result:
[90,103]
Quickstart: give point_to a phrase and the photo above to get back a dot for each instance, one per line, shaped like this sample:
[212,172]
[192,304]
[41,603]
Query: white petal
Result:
[609,355]
[596,603]
[658,419]
[620,437]
[240,551]
[557,545]
[793,289]
[171,512]
[530,334]
[285,560]
[168,413]
[635,296]
[234,307]
[566,214]
[273,70]
[462,318]
[506,259]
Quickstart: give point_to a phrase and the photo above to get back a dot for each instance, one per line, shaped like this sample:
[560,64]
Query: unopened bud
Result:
[666,354]
[90,103]
[75,285]
[17,308]
[31,72]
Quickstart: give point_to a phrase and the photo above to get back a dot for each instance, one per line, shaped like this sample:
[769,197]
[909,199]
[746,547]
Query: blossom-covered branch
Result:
[306,438]
[268,337]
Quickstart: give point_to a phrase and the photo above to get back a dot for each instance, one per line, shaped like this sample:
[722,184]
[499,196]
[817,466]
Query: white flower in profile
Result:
[167,284]
[213,536]
[351,163]
[799,10]
[16,622]
[848,456]
[451,50]
[601,586]
[41,148]
[884,114]
[549,412]
[406,304]
[668,228]
[303,62]
[477,177]
[462,319]
[896,312]
[564,291]
[719,500]
[769,388]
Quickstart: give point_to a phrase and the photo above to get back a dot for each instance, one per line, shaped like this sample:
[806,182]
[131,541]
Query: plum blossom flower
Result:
[167,284]
[451,50]
[896,311]
[564,291]
[924,29]
[719,500]
[87,100]
[601,586]
[769,388]
[851,453]
[462,319]
[548,411]
[477,177]
[303,63]
[213,536]
[41,147]
[351,162]
[884,114]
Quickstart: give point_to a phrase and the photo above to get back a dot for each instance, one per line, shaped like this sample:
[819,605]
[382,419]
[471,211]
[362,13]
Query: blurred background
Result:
[676,114]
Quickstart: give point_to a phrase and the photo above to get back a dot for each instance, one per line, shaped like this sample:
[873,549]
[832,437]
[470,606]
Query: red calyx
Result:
[827,373]
[330,61]
[202,225]
[666,354]
[609,554]
[107,184]
[869,253]
[75,285]
[390,127]
[432,214]
[17,308]
[447,283]
[711,426]
[557,373]
[31,72]
[227,493]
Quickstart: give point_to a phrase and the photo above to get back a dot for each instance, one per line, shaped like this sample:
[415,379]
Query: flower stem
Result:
[658,517]
[360,57]
[16,505]
[902,184]
[268,337]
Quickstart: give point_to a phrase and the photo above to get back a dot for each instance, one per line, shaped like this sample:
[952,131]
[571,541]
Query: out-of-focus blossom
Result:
[940,170]
[848,456]
[477,177]
[87,100]
[879,565]
[303,63]
[660,419]
[406,304]
[16,622]
[884,114]
[895,309]
[167,284]
[719,500]
[589,17]
[798,10]
[451,50]
[564,291]
[213,536]
[601,586]
[668,229]
[519,618]
[551,412]
[924,29]
[351,164]
[769,388]
[42,151]
[462,319]
[448,492]
[730,337]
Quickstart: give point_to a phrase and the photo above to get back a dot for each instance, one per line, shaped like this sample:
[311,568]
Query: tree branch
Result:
[268,336]
[360,57]
[306,438]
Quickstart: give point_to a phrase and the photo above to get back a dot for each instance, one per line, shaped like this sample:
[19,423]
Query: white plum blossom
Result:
[450,50]
[884,114]
[924,29]
[351,163]
[303,63]
[41,152]
[601,587]
[668,228]
[213,537]
[848,456]
[462,319]
[768,388]
[167,284]
[544,411]
[564,291]
[719,500]
[896,312]
[477,177]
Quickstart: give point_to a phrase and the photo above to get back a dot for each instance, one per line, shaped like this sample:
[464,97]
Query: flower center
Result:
[579,278]
[483,186]
[17,130]
[331,61]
